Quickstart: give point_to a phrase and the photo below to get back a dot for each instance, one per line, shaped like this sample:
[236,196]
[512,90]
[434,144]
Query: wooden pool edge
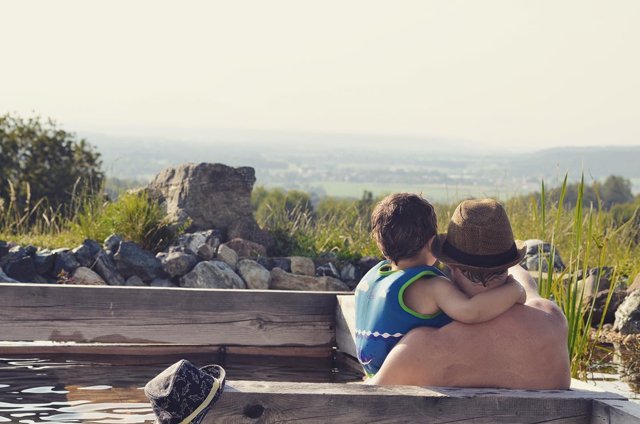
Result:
[142,321]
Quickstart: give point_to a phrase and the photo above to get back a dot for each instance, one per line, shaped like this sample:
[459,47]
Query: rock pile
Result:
[197,260]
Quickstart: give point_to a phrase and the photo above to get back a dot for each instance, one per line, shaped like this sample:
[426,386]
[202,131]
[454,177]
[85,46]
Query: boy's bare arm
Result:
[481,307]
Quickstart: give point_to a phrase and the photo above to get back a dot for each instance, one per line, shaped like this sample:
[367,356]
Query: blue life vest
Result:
[382,317]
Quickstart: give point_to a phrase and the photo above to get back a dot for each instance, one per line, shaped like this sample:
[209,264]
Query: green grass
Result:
[586,238]
[132,217]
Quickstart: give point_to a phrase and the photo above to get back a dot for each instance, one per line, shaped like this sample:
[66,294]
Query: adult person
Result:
[523,348]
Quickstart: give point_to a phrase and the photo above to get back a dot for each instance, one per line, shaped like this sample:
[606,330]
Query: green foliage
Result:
[613,191]
[339,226]
[587,237]
[133,216]
[43,164]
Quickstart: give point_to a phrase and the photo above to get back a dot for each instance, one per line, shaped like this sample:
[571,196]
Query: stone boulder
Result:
[282,280]
[537,255]
[247,248]
[105,267]
[44,262]
[19,265]
[628,315]
[65,262]
[212,275]
[203,244]
[176,264]
[85,276]
[112,243]
[327,270]
[596,288]
[302,266]
[4,278]
[210,195]
[270,263]
[86,253]
[227,255]
[132,260]
[255,275]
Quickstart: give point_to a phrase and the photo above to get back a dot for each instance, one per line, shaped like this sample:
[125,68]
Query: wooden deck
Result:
[142,322]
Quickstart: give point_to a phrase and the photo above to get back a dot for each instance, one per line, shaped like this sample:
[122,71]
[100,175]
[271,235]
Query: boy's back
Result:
[382,316]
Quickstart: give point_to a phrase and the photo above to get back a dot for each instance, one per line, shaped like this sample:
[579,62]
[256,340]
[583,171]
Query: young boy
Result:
[406,291]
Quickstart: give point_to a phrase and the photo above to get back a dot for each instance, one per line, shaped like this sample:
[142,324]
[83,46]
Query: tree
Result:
[614,191]
[39,161]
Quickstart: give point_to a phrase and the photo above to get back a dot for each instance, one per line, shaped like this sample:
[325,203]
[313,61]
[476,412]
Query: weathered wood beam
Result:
[346,324]
[615,412]
[145,350]
[148,315]
[262,402]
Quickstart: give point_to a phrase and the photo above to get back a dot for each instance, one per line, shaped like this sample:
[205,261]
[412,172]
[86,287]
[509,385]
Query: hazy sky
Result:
[496,72]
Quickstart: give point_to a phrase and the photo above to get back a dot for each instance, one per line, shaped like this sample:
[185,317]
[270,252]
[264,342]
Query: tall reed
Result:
[584,236]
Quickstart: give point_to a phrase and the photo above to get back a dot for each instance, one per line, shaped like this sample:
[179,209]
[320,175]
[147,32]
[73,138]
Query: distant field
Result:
[436,193]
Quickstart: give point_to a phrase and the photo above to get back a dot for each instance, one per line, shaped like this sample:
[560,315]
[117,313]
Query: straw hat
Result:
[479,238]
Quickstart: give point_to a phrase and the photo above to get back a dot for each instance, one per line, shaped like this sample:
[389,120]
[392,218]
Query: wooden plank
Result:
[148,315]
[346,324]
[259,401]
[615,412]
[134,350]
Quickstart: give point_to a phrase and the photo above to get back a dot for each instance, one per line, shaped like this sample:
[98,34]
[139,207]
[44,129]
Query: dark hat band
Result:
[479,261]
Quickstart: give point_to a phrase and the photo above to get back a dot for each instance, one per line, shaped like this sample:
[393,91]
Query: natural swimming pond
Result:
[109,389]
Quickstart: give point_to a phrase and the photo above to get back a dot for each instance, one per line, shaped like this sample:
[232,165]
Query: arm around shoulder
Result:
[479,308]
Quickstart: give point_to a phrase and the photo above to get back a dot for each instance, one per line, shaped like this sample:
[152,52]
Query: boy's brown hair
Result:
[402,224]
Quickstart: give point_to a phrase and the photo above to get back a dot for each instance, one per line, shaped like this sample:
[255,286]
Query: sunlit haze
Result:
[503,74]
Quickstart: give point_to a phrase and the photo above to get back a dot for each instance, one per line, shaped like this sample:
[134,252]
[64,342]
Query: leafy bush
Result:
[133,216]
[40,162]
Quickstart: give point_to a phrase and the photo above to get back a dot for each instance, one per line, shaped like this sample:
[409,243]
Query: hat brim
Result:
[521,250]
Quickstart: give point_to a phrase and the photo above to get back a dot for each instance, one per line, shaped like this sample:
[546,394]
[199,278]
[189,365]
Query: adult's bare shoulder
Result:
[523,348]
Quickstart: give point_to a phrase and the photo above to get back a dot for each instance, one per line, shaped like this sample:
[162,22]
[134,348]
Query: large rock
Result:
[247,248]
[327,270]
[105,267]
[302,266]
[255,275]
[132,260]
[85,253]
[628,315]
[538,254]
[4,278]
[227,255]
[112,243]
[282,280]
[65,262]
[596,288]
[44,262]
[210,195]
[202,243]
[85,276]
[176,264]
[212,275]
[270,263]
[19,266]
